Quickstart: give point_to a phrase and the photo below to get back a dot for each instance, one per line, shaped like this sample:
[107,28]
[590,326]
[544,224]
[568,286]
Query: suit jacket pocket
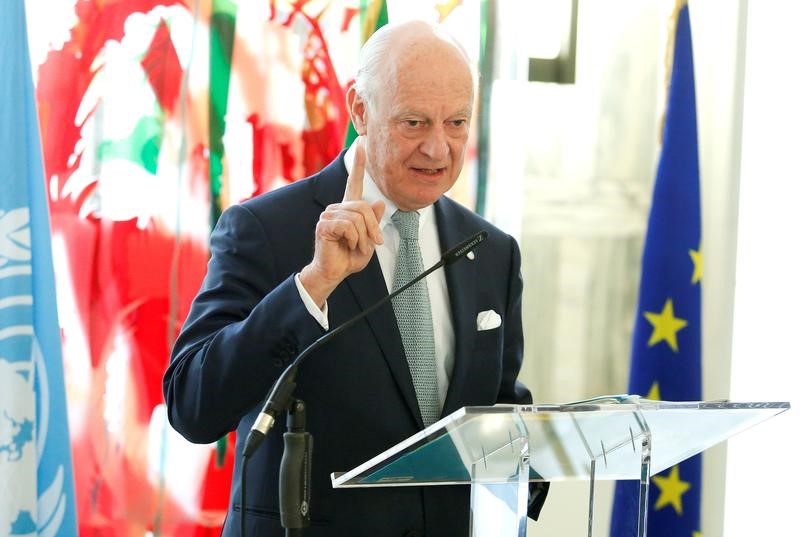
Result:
[488,340]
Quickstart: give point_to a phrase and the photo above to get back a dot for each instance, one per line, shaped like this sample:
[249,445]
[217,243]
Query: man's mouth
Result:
[429,171]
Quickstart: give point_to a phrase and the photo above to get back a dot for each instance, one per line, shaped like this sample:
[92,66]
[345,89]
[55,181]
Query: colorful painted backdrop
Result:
[155,115]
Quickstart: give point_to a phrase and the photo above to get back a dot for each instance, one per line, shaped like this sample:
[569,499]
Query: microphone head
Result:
[459,250]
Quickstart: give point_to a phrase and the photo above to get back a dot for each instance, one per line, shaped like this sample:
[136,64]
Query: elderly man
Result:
[289,265]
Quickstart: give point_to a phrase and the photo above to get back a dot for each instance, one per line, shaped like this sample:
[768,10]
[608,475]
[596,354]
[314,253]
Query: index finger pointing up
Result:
[355,182]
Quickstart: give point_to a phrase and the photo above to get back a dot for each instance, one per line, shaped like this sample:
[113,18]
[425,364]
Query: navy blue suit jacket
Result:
[248,322]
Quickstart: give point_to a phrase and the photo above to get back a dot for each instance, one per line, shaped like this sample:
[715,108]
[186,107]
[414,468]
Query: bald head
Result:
[398,47]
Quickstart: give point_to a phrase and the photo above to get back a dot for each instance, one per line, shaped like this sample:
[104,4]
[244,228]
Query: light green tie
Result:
[413,311]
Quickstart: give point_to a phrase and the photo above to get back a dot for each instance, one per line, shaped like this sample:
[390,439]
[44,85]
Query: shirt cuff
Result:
[321,315]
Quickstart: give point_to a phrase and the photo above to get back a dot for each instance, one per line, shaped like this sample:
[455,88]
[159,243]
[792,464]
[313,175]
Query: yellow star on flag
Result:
[697,259]
[665,326]
[672,490]
[655,393]
[697,534]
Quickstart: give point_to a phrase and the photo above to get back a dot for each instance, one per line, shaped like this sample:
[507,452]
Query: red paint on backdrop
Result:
[163,68]
[349,13]
[66,74]
[276,150]
[324,99]
[275,154]
[120,273]
[119,278]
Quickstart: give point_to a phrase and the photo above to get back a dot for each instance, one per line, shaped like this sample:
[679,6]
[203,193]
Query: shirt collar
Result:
[372,193]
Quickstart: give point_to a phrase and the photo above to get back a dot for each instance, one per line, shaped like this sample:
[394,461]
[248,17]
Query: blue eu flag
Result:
[665,360]
[36,486]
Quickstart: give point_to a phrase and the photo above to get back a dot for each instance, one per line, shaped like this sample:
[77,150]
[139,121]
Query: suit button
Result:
[277,362]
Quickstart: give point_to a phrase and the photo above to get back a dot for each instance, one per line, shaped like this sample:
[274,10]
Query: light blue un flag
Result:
[36,485]
[665,359]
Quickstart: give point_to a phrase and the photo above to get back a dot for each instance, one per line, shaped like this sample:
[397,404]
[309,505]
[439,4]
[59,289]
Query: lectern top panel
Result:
[484,443]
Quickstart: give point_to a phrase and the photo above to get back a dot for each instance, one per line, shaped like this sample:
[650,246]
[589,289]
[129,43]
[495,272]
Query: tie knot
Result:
[407,223]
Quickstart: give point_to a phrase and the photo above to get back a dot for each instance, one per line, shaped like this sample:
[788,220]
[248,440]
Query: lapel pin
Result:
[470,255]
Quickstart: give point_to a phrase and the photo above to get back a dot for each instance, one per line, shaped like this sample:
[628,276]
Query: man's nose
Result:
[434,145]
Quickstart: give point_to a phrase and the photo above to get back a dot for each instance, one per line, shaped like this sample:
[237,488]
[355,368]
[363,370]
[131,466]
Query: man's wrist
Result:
[319,314]
[318,287]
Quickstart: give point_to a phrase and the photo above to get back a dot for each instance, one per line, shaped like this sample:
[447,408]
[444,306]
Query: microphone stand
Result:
[294,490]
[280,397]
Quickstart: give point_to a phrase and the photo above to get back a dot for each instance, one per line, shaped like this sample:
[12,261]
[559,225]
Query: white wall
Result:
[719,32]
[762,475]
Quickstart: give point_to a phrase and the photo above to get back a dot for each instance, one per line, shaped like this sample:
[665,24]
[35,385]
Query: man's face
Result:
[417,126]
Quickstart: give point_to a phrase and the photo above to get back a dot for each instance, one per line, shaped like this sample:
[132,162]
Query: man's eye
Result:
[458,122]
[413,123]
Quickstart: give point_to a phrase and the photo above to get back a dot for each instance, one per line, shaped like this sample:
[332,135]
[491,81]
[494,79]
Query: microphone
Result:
[281,393]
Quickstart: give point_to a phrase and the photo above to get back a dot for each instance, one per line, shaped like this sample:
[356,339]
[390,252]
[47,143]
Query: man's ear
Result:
[357,109]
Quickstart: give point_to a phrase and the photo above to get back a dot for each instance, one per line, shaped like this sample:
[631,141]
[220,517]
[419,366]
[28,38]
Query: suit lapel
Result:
[460,277]
[367,287]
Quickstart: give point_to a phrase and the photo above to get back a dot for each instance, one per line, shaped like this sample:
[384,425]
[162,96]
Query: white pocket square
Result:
[488,320]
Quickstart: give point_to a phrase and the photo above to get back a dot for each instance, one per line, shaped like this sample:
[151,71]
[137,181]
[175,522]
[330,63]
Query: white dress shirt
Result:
[443,334]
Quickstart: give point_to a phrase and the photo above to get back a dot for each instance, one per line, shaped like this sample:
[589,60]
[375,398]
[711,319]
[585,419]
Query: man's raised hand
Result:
[346,236]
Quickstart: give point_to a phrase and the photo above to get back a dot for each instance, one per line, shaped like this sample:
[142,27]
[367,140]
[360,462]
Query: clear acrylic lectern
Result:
[498,449]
